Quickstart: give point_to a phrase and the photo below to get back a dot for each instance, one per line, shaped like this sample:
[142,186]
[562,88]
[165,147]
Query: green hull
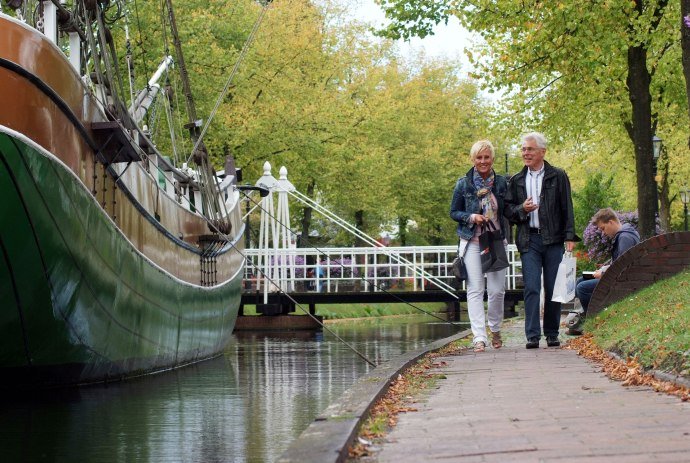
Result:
[79,303]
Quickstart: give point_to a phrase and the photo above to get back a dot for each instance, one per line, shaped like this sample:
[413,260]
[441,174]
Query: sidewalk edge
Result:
[331,433]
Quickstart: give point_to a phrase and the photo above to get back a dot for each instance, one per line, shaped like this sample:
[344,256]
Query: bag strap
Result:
[463,251]
[489,225]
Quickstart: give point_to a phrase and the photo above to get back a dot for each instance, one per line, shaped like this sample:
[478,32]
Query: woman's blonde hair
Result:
[480,146]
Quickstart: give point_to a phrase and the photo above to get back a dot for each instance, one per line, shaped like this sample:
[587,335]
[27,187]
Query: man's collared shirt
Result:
[533,184]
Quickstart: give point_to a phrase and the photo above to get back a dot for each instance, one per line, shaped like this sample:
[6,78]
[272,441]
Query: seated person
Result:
[624,237]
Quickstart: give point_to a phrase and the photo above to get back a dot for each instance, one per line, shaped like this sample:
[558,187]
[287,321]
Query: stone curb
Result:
[331,433]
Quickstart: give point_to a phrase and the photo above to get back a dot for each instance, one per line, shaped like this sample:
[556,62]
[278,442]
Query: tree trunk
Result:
[640,131]
[665,200]
[359,224]
[685,47]
[306,220]
[402,230]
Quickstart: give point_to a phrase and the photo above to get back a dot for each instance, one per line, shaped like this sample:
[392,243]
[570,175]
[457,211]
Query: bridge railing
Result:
[360,268]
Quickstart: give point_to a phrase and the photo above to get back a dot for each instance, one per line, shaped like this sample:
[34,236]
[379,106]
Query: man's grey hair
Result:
[537,137]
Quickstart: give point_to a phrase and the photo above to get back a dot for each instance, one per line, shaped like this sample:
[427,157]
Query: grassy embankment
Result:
[341,311]
[652,326]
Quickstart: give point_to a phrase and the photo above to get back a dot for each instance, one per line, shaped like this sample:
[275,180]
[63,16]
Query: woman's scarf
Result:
[483,187]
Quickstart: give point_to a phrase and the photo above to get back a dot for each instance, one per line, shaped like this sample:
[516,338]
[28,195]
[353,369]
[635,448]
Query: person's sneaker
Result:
[574,332]
[479,346]
[532,343]
[575,324]
[552,341]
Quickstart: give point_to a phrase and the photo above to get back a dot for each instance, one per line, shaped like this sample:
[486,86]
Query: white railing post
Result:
[267,235]
[50,27]
[75,51]
[284,233]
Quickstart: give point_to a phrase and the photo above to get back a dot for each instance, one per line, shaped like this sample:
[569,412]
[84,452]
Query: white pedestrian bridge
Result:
[361,269]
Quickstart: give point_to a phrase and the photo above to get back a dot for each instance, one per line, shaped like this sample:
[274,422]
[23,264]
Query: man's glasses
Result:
[529,149]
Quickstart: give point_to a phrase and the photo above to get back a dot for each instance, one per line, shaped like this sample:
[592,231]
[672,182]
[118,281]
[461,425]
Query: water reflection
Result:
[246,406]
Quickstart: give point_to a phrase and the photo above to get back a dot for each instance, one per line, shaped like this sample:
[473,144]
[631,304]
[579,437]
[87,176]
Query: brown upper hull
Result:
[44,100]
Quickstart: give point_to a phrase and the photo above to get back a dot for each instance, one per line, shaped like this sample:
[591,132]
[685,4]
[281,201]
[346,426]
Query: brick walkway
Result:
[546,404]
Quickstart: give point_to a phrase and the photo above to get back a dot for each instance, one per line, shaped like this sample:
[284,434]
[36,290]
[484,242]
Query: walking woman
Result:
[478,199]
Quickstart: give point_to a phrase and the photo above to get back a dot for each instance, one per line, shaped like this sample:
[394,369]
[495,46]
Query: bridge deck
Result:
[281,303]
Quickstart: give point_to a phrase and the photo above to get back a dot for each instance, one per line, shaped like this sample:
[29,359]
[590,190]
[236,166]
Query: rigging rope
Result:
[130,64]
[171,127]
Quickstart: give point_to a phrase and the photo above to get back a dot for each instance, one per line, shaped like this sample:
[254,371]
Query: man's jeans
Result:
[537,258]
[584,290]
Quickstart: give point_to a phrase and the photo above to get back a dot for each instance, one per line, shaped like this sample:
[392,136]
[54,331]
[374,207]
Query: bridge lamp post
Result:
[685,197]
[657,146]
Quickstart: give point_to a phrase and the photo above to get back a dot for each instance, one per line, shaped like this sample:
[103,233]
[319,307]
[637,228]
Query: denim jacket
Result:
[465,203]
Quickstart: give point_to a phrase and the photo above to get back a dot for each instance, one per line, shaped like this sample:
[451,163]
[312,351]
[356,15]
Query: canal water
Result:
[245,406]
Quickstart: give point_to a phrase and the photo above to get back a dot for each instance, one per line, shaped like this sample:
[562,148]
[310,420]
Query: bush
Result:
[584,263]
[339,267]
[384,271]
[599,191]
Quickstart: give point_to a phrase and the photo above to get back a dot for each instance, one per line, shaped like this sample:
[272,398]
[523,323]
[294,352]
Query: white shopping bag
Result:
[564,289]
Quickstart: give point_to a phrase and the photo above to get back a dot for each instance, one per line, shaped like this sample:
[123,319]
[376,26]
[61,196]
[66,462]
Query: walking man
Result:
[539,202]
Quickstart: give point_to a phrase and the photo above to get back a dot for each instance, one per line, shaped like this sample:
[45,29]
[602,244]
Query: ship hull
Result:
[80,303]
[106,270]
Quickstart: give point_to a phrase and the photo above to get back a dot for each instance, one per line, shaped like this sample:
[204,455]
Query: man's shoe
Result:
[532,343]
[552,341]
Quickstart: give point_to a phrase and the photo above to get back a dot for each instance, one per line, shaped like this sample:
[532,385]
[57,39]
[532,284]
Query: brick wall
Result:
[654,259]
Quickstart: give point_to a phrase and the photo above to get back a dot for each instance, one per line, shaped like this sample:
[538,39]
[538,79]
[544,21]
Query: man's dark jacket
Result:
[556,218]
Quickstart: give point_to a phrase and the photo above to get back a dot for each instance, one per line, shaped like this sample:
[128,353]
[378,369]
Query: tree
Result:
[685,46]
[367,135]
[568,61]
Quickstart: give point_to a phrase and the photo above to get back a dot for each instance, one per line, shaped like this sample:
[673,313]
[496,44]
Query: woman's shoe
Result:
[496,341]
[479,346]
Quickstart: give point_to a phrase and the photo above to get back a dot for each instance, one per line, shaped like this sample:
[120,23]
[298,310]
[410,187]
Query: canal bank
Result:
[331,433]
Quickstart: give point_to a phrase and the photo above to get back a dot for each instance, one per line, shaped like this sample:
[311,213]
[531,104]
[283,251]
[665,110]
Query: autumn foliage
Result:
[400,398]
[629,371]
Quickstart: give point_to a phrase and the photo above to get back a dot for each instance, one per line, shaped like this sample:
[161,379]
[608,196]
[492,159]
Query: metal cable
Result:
[390,293]
[368,239]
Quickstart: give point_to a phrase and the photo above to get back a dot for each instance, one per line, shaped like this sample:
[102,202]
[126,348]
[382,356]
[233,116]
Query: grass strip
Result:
[652,326]
[343,311]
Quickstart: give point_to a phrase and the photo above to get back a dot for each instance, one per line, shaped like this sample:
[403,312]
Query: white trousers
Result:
[495,287]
